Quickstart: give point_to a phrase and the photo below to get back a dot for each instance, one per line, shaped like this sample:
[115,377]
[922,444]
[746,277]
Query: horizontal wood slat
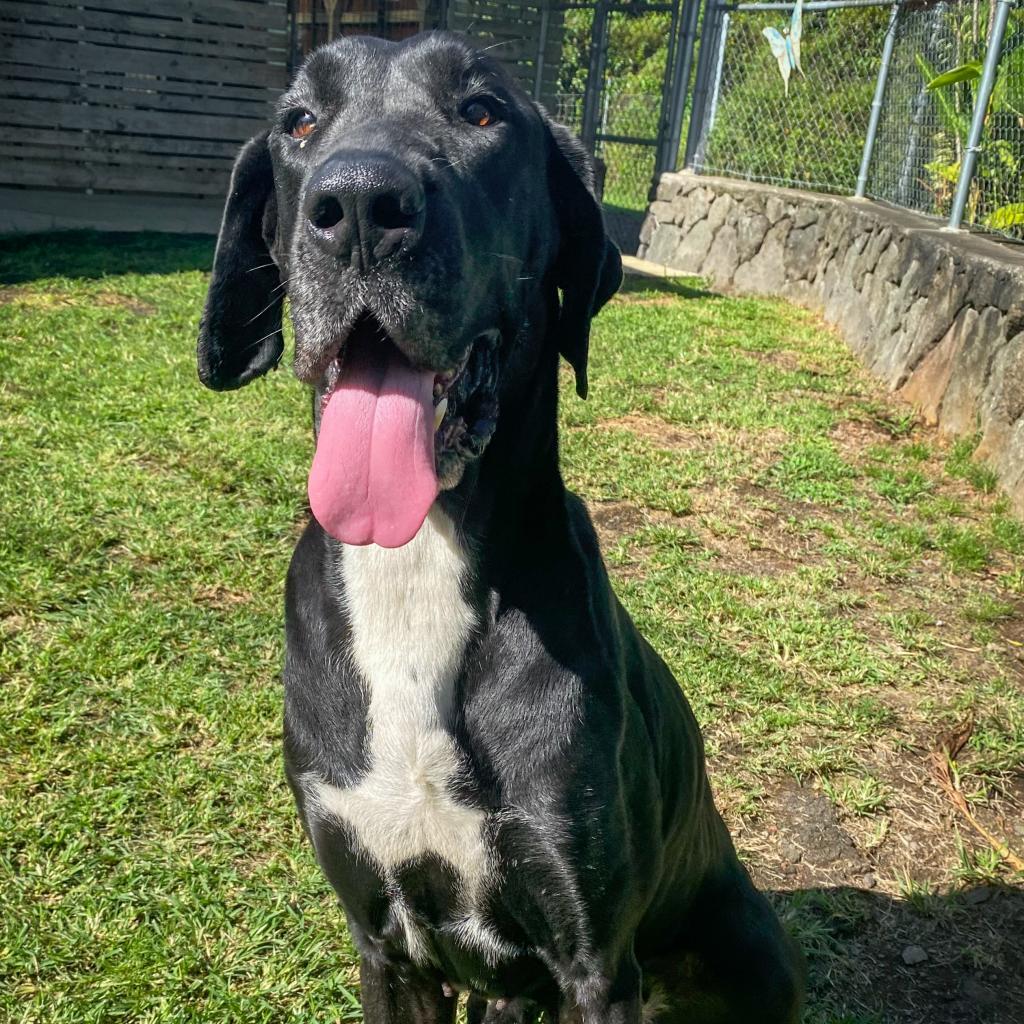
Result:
[109,142]
[51,174]
[133,97]
[93,57]
[187,34]
[136,43]
[252,13]
[93,155]
[112,119]
[118,80]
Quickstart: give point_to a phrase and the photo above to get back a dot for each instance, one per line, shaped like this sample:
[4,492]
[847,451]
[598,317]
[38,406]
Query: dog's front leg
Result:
[604,998]
[401,994]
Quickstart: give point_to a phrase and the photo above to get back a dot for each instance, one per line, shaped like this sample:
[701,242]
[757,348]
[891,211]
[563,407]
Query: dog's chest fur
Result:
[410,625]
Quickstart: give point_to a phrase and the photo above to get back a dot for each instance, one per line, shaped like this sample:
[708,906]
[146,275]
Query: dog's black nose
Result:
[363,207]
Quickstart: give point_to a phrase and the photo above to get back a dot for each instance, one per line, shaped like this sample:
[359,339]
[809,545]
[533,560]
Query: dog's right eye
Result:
[301,124]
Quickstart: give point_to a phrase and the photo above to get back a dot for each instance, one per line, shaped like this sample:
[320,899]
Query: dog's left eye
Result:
[301,125]
[479,113]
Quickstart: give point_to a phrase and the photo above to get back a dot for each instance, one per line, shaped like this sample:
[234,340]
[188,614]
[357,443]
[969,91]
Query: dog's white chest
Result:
[410,626]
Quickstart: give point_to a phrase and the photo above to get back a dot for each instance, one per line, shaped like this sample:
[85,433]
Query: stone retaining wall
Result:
[939,316]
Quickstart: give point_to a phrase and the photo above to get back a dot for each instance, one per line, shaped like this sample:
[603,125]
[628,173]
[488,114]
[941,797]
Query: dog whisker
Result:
[503,42]
[258,341]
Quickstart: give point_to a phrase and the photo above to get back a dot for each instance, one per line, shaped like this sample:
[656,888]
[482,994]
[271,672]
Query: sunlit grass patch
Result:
[832,584]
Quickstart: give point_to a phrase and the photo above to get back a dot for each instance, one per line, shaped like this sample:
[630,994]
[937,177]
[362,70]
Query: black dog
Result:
[500,778]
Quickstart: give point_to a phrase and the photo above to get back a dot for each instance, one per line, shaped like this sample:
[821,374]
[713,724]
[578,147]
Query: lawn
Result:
[840,592]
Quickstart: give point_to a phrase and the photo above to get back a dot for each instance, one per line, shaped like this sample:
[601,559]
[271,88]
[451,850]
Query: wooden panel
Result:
[78,34]
[260,13]
[55,174]
[135,96]
[511,32]
[119,119]
[124,143]
[92,57]
[265,97]
[132,96]
[93,155]
[156,33]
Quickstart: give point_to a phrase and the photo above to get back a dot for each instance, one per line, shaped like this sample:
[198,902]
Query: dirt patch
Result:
[658,432]
[33,299]
[13,624]
[115,299]
[643,299]
[954,959]
[790,362]
[874,947]
[749,529]
[30,299]
[857,435]
[218,596]
[615,519]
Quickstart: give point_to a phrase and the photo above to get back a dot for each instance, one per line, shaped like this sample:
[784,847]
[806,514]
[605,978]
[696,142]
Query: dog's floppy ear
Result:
[240,333]
[588,268]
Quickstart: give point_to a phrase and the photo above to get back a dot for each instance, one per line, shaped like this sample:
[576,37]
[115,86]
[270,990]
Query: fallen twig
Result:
[940,759]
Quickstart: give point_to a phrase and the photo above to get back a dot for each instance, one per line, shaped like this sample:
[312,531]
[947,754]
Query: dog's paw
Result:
[501,1011]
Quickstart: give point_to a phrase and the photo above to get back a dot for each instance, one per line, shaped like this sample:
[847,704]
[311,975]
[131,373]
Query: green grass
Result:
[831,585]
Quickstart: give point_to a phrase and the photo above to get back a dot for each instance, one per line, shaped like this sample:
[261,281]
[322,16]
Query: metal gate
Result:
[636,132]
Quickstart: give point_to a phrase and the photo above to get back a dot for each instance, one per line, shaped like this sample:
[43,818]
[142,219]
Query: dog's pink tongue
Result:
[373,479]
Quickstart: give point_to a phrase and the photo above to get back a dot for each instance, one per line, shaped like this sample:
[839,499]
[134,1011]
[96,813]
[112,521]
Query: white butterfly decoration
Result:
[786,46]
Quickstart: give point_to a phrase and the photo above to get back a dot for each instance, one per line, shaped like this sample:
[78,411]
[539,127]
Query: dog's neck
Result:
[513,500]
[507,513]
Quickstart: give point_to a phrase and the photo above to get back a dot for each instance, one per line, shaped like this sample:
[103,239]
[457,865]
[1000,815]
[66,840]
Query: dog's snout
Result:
[362,208]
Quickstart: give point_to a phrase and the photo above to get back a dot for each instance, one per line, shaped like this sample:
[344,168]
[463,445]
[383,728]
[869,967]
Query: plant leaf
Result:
[968,72]
[956,123]
[1008,216]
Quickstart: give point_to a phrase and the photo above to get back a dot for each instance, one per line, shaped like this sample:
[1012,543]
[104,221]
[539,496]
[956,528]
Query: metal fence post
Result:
[669,155]
[876,103]
[595,76]
[705,60]
[988,80]
[542,45]
[667,79]
[717,87]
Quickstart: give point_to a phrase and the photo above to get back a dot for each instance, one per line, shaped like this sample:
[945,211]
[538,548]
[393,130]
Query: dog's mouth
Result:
[392,435]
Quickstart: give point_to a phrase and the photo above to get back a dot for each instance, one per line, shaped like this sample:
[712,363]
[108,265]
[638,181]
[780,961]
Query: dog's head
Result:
[423,217]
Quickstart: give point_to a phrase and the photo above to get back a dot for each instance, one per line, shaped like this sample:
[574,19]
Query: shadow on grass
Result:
[94,254]
[682,287]
[966,953]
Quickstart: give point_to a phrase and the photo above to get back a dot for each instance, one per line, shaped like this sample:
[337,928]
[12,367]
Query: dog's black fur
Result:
[613,882]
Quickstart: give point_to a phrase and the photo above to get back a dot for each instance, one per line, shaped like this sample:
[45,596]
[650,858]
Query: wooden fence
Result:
[135,97]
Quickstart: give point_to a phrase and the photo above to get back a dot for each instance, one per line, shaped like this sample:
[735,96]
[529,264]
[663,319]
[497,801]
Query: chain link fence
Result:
[811,134]
[923,132]
[628,166]
[918,148]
